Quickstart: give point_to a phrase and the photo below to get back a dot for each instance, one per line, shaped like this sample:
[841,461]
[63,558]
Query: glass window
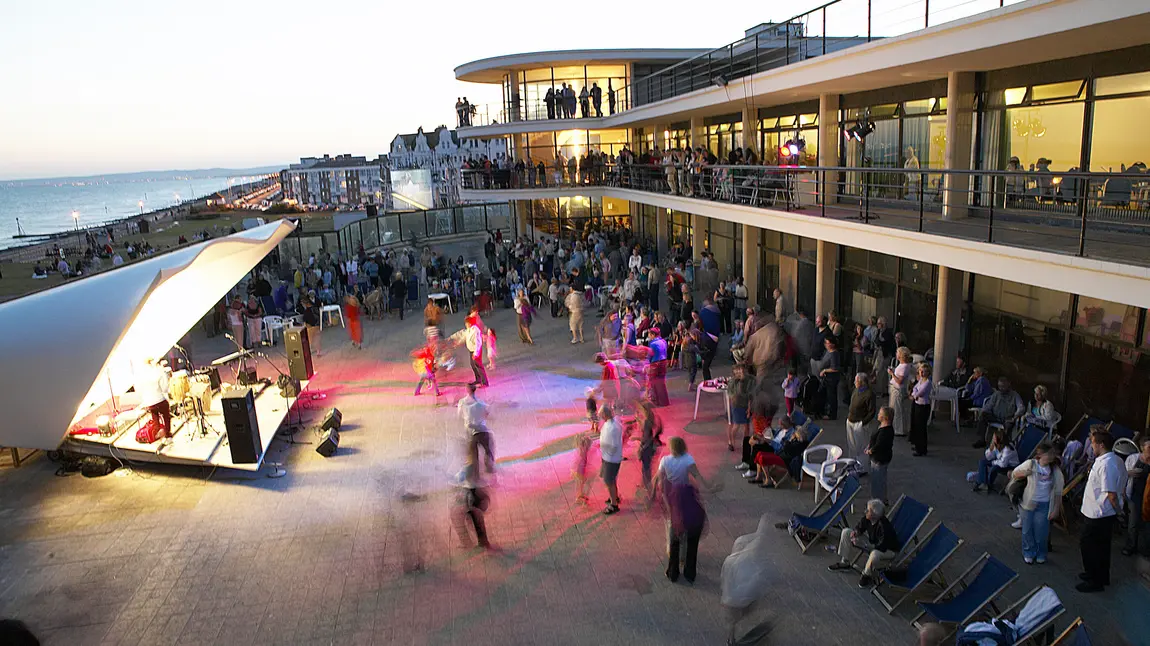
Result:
[1024,351]
[1053,132]
[808,119]
[1106,319]
[883,111]
[871,262]
[1125,84]
[916,317]
[767,124]
[768,277]
[772,239]
[1065,90]
[922,106]
[790,244]
[1014,96]
[538,75]
[864,296]
[1045,305]
[1107,380]
[919,274]
[1115,144]
[809,249]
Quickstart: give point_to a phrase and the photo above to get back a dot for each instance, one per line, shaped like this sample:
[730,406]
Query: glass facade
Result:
[570,217]
[532,86]
[543,146]
[779,125]
[723,134]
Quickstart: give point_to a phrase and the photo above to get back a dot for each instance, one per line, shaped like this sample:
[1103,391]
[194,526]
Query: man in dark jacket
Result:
[880,450]
[874,534]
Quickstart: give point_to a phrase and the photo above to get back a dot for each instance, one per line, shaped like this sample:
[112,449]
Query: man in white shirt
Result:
[474,414]
[1100,504]
[630,286]
[352,268]
[472,335]
[635,262]
[611,449]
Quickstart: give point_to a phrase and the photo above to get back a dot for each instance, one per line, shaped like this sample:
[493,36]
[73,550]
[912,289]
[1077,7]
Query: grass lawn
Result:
[18,281]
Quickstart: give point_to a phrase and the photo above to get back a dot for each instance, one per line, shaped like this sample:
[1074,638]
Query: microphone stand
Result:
[291,427]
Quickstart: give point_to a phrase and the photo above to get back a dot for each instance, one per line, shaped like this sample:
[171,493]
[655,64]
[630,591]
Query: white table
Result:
[712,389]
[328,310]
[441,296]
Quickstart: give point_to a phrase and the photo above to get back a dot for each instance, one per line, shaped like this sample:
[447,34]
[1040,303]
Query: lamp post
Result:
[141,205]
[76,223]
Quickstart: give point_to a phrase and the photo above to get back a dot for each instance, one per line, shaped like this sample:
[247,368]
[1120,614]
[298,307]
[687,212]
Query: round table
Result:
[713,389]
[441,296]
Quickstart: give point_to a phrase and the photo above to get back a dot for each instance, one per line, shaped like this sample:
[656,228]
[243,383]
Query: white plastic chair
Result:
[826,478]
[271,325]
[813,465]
[329,312]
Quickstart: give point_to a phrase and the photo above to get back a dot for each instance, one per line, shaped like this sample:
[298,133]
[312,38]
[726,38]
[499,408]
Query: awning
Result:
[69,349]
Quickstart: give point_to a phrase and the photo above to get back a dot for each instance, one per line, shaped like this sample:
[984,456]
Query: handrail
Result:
[1083,214]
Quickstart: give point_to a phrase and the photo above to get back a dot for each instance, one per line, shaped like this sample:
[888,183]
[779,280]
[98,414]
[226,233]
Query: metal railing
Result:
[832,27]
[1098,215]
[412,227]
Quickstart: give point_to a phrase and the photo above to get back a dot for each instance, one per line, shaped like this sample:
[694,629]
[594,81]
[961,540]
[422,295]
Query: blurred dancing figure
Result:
[474,414]
[471,502]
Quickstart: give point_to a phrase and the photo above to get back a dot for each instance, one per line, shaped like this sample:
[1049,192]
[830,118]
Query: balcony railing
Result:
[832,27]
[1097,215]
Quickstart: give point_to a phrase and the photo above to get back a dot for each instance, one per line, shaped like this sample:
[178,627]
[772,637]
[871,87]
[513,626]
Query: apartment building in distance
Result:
[340,181]
[973,172]
[426,165]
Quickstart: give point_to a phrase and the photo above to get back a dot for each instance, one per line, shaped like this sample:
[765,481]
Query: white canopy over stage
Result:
[67,350]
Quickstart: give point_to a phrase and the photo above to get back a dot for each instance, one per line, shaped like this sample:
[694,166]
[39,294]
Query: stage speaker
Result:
[243,430]
[328,443]
[332,421]
[298,353]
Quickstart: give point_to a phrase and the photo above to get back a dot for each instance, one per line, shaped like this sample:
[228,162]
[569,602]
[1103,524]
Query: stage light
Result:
[784,151]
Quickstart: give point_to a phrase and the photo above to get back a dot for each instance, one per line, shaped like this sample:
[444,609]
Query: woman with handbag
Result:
[1041,500]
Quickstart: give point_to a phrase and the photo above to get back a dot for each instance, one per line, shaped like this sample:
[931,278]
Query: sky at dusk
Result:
[130,85]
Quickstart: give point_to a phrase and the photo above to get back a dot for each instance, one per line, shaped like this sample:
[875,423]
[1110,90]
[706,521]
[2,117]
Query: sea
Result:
[47,205]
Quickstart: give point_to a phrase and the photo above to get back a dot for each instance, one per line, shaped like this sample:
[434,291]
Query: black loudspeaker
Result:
[213,376]
[332,421]
[372,210]
[243,430]
[298,353]
[328,443]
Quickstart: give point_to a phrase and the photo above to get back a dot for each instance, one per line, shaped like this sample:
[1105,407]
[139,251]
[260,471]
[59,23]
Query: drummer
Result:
[152,385]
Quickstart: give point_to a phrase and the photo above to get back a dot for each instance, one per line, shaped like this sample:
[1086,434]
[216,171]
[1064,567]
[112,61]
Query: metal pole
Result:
[926,14]
[1084,186]
[921,200]
[756,53]
[868,14]
[788,43]
[824,31]
[866,197]
[823,190]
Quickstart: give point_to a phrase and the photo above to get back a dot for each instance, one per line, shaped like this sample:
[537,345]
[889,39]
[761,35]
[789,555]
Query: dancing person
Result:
[739,391]
[471,503]
[352,309]
[1041,500]
[651,431]
[860,414]
[583,441]
[611,454]
[472,335]
[657,368]
[425,366]
[574,302]
[492,349]
[881,450]
[524,314]
[746,578]
[474,413]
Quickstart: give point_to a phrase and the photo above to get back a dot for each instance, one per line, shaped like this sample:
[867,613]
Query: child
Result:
[492,353]
[583,442]
[791,386]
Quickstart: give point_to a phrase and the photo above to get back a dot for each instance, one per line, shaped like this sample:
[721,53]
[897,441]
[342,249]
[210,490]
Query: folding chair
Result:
[834,516]
[1029,440]
[1029,625]
[1119,432]
[1074,635]
[921,565]
[1071,499]
[983,589]
[907,516]
[1082,428]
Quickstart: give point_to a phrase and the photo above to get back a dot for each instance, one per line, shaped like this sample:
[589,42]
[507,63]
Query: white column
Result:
[829,139]
[960,91]
[788,280]
[697,137]
[826,261]
[698,224]
[751,263]
[948,314]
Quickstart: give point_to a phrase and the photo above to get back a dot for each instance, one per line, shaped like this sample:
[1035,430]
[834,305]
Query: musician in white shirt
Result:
[152,387]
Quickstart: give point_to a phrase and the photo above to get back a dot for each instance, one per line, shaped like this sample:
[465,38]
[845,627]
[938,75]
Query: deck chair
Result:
[821,522]
[907,516]
[1081,428]
[1071,499]
[1074,635]
[1029,440]
[957,609]
[1030,624]
[920,564]
[1119,431]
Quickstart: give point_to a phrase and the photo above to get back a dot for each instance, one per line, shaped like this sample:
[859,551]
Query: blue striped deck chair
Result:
[958,608]
[834,517]
[798,417]
[920,565]
[907,516]
[1119,431]
[1029,440]
[1074,635]
[1029,625]
[1081,429]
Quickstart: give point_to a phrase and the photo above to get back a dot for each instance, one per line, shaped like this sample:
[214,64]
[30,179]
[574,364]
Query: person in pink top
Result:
[920,412]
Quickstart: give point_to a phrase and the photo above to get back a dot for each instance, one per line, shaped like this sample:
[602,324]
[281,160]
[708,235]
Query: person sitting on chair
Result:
[1041,410]
[1000,457]
[1004,406]
[875,535]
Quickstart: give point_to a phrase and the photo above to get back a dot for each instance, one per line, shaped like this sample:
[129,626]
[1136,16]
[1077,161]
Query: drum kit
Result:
[192,397]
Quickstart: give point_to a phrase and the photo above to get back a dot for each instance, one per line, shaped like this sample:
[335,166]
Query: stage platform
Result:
[190,444]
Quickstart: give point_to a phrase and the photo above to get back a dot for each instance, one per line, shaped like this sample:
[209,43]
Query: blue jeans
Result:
[1036,531]
[988,473]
